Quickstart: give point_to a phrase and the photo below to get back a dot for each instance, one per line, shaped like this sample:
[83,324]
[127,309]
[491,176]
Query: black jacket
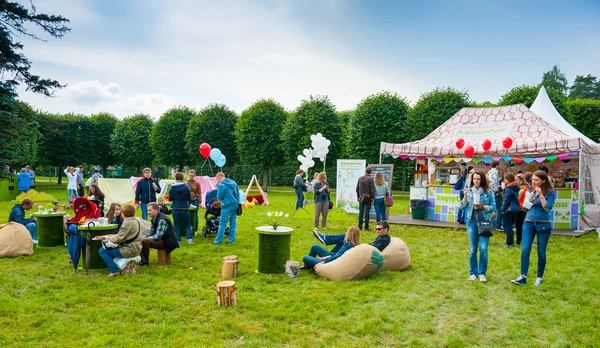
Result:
[144,192]
[169,237]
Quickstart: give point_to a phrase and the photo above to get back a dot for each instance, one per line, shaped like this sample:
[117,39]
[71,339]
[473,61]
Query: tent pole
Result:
[380,158]
[580,181]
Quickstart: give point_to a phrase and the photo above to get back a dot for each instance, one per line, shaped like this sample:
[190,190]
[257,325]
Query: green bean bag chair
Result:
[357,263]
[396,255]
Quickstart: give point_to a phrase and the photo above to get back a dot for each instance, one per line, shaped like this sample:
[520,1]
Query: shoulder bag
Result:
[484,227]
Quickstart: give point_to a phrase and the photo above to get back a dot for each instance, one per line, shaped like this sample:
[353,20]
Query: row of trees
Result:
[264,134]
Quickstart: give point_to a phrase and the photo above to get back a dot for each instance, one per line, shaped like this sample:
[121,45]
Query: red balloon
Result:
[507,142]
[487,144]
[205,150]
[460,143]
[469,151]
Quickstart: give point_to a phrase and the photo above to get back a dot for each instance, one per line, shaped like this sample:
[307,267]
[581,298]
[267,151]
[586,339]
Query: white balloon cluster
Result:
[320,146]
[320,149]
[306,161]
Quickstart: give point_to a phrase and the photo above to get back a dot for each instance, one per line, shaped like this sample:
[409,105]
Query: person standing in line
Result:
[382,190]
[524,185]
[196,192]
[299,188]
[539,203]
[80,191]
[510,207]
[493,178]
[24,180]
[322,191]
[365,191]
[31,176]
[71,174]
[145,192]
[181,196]
[480,206]
[228,194]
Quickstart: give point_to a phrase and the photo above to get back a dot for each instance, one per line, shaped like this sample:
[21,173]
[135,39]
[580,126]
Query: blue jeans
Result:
[477,242]
[32,228]
[507,220]
[196,202]
[299,200]
[498,198]
[312,258]
[380,209]
[71,193]
[335,239]
[182,217]
[529,233]
[144,207]
[363,210]
[227,215]
[108,255]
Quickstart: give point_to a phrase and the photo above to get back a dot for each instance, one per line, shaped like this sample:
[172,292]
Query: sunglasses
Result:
[379,228]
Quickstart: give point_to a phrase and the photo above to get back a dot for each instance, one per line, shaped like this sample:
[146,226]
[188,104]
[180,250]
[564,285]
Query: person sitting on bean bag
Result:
[319,254]
[381,242]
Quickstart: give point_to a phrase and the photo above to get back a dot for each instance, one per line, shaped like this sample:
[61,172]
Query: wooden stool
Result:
[226,293]
[163,257]
[131,268]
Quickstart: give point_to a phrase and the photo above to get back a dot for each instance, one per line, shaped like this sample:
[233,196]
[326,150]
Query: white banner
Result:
[482,131]
[348,172]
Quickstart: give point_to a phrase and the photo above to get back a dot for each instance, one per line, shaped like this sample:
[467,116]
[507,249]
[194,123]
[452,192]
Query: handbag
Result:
[330,204]
[389,201]
[484,227]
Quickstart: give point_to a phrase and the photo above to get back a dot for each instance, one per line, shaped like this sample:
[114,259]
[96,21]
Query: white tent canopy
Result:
[542,106]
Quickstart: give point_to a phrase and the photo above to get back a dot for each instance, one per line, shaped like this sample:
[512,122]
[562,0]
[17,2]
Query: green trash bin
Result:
[418,208]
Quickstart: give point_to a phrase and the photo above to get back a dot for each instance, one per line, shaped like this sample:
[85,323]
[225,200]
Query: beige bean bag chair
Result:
[15,240]
[396,255]
[357,263]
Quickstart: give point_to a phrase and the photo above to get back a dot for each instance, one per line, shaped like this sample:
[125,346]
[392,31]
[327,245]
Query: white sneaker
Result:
[473,277]
[482,278]
[538,281]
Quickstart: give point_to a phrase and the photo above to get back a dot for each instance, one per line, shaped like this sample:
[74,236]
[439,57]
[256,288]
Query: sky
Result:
[146,56]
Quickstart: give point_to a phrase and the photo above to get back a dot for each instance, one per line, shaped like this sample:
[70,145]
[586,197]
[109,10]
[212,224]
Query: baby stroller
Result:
[83,207]
[212,214]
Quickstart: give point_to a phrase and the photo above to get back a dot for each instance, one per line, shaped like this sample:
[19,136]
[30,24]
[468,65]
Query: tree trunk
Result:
[104,170]
[266,177]
[60,174]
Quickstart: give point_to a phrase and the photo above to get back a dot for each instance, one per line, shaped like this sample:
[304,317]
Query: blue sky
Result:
[146,56]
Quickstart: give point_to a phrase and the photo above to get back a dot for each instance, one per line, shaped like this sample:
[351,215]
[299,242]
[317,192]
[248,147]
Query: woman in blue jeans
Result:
[319,254]
[382,190]
[539,201]
[480,206]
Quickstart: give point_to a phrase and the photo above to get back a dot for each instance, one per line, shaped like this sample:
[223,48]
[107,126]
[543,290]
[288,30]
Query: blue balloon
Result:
[242,196]
[215,155]
[222,160]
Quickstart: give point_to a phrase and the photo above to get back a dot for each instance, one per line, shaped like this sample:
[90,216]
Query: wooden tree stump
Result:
[163,257]
[226,293]
[230,266]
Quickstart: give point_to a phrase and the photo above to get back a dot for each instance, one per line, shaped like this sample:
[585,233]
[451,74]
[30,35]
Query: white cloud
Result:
[91,92]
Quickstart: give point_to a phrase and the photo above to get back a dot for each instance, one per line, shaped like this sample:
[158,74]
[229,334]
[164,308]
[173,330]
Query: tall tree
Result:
[168,136]
[433,109]
[314,115]
[103,126]
[258,133]
[583,115]
[585,87]
[14,66]
[556,80]
[130,142]
[527,94]
[214,125]
[379,117]
[18,143]
[345,117]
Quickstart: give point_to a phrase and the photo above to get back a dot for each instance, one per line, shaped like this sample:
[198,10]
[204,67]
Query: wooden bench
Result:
[163,257]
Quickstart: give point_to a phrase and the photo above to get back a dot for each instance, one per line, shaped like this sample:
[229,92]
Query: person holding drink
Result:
[479,204]
[321,189]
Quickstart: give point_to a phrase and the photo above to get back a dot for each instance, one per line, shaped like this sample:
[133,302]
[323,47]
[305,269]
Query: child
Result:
[114,215]
[162,207]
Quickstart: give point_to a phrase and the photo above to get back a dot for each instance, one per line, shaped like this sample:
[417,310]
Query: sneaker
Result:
[521,280]
[499,229]
[507,246]
[301,268]
[472,277]
[320,237]
[538,281]
[190,241]
[482,278]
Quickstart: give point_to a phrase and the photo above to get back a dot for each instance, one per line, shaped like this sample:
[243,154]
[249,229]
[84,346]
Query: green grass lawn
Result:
[43,303]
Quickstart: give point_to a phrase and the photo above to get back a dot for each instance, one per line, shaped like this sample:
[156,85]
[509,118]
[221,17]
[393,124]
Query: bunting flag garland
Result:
[540,159]
[574,153]
[506,158]
[412,157]
[403,157]
[551,158]
[517,159]
[497,158]
[563,155]
[528,160]
[448,159]
[386,155]
[486,159]
[476,160]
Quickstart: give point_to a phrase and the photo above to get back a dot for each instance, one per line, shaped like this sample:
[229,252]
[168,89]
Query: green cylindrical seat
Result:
[273,248]
[50,229]
[96,261]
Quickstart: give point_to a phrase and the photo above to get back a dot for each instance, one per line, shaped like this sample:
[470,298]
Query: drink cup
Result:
[476,198]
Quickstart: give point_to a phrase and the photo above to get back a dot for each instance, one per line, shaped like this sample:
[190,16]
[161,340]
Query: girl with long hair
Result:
[319,254]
